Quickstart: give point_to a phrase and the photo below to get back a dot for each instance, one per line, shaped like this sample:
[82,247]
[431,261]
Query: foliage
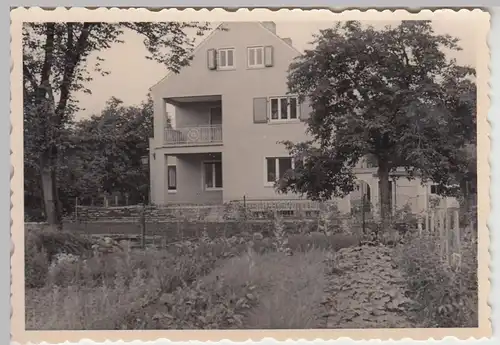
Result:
[391,94]
[54,243]
[281,236]
[106,290]
[330,222]
[36,265]
[56,65]
[108,152]
[318,240]
[245,281]
[445,297]
[367,290]
[204,305]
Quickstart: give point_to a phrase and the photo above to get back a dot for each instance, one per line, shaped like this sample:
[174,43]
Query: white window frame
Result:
[276,166]
[171,191]
[226,67]
[203,173]
[288,119]
[253,51]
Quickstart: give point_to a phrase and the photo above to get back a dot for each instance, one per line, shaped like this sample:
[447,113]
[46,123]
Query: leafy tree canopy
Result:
[391,94]
[56,65]
[108,149]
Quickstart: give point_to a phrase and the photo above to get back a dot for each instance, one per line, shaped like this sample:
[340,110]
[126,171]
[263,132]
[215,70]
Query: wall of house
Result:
[194,114]
[245,144]
[411,193]
[189,181]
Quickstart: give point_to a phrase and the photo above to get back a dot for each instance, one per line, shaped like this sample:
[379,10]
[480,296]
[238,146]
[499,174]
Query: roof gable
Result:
[199,49]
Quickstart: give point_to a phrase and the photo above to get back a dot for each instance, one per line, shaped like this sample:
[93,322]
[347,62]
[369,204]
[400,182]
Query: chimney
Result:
[288,40]
[271,26]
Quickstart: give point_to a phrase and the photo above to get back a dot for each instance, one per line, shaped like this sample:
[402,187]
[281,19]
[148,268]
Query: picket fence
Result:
[444,225]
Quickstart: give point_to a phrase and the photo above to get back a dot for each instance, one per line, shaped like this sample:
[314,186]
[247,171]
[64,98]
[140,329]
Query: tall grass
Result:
[235,282]
[446,296]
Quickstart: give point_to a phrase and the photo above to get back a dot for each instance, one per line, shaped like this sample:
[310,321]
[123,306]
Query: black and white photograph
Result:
[248,174]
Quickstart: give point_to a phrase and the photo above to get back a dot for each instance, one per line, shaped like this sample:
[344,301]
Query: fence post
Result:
[448,231]
[458,243]
[245,211]
[442,232]
[363,211]
[142,224]
[76,209]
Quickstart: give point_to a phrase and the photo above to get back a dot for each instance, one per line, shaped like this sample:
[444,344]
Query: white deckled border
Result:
[20,15]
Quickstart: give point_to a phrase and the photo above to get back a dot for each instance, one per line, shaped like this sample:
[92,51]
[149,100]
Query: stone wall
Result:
[151,213]
[177,222]
[212,213]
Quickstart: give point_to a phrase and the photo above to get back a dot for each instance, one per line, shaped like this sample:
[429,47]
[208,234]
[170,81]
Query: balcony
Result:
[193,136]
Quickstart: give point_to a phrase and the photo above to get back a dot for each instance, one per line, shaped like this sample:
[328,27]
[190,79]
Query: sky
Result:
[132,74]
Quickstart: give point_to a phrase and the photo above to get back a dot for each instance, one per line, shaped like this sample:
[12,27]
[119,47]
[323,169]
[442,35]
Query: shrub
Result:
[330,220]
[54,242]
[446,297]
[267,291]
[36,265]
[318,240]
[78,307]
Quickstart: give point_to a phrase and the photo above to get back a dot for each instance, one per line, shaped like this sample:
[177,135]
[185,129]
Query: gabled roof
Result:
[213,33]
[279,38]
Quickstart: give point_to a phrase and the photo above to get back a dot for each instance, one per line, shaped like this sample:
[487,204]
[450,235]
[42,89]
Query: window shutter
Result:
[260,110]
[305,110]
[211,59]
[268,56]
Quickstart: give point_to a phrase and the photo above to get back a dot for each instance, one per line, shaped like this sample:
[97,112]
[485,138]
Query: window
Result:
[284,108]
[255,57]
[172,178]
[276,168]
[225,58]
[212,175]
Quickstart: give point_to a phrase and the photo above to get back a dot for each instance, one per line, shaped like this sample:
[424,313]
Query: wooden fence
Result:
[444,225]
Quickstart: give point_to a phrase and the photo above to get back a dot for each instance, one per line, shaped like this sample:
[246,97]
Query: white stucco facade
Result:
[224,131]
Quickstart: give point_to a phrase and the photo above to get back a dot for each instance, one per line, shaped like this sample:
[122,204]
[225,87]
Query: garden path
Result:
[366,290]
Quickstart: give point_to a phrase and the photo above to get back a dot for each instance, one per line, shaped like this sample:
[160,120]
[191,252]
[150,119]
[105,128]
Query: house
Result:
[231,109]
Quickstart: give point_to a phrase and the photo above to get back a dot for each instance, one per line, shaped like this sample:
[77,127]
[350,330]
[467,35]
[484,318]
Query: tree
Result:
[107,152]
[391,94]
[55,66]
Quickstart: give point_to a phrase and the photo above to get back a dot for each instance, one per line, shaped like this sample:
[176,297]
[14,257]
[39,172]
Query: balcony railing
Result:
[193,136]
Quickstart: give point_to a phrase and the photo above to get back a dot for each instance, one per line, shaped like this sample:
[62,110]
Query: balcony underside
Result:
[193,99]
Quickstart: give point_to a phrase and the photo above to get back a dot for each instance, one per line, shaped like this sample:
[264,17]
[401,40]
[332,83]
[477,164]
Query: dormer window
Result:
[256,57]
[225,58]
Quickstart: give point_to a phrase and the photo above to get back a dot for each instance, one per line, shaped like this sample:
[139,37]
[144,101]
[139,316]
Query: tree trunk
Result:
[57,201]
[48,195]
[385,194]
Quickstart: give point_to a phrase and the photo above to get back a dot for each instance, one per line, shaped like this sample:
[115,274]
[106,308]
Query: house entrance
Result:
[361,198]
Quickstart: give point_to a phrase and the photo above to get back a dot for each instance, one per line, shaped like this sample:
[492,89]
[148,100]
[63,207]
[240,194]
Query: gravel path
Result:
[366,290]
